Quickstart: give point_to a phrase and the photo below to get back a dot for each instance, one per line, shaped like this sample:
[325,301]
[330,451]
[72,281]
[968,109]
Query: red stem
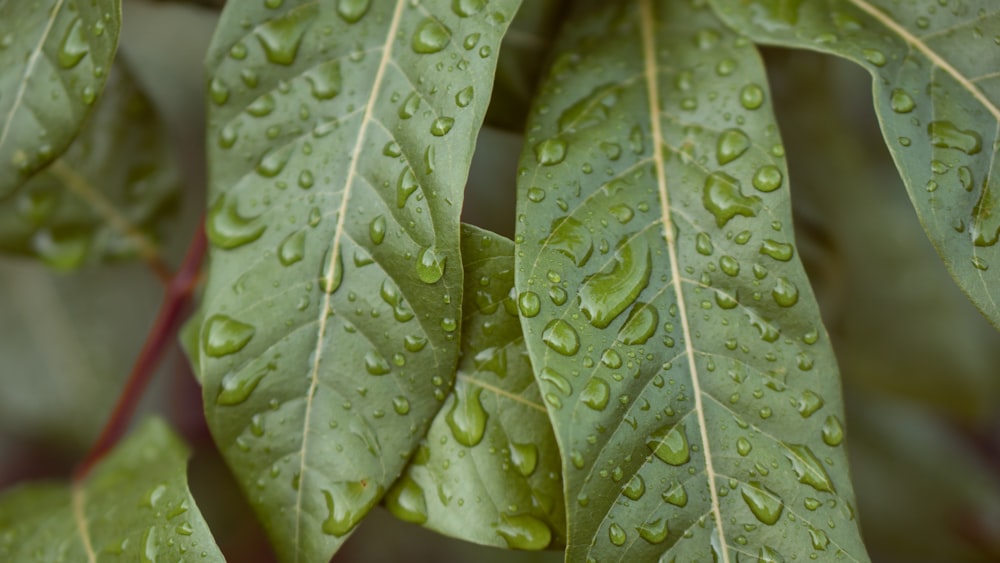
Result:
[175,299]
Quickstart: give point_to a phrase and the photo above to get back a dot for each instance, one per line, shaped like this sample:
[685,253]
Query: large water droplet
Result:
[731,145]
[332,274]
[224,335]
[635,488]
[561,337]
[777,250]
[529,304]
[670,444]
[768,178]
[325,80]
[833,431]
[946,134]
[606,294]
[901,102]
[524,457]
[376,229]
[273,162]
[676,495]
[724,199]
[595,394]
[571,237]
[785,293]
[763,502]
[227,229]
[752,96]
[351,11]
[431,36]
[466,8]
[524,532]
[809,403]
[467,417]
[347,503]
[807,468]
[74,46]
[376,364]
[280,37]
[550,152]
[655,531]
[406,501]
[617,535]
[640,324]
[430,265]
[556,380]
[293,248]
[464,97]
[236,386]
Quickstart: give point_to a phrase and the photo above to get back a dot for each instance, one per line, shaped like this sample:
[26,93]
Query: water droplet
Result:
[74,46]
[227,229]
[281,36]
[676,495]
[376,229]
[406,501]
[729,265]
[442,126]
[640,325]
[293,248]
[901,102]
[752,96]
[617,535]
[875,57]
[550,152]
[273,162]
[763,502]
[405,186]
[376,364]
[595,394]
[655,531]
[724,199]
[351,11]
[332,274]
[809,403]
[768,178]
[347,504]
[743,446]
[467,418]
[571,237]
[325,80]
[430,265]
[431,36]
[670,444]
[777,250]
[524,458]
[946,134]
[785,293]
[807,468]
[768,554]
[464,97]
[979,264]
[561,337]
[401,405]
[236,386]
[409,106]
[611,359]
[731,145]
[606,294]
[635,488]
[529,304]
[524,532]
[833,431]
[703,244]
[224,335]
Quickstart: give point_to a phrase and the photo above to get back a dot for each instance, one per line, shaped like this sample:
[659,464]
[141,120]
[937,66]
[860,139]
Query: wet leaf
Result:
[55,56]
[340,136]
[676,340]
[937,95]
[103,197]
[488,470]
[134,505]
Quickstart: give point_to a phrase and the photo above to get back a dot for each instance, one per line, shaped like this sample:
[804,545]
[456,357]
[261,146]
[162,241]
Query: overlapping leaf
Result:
[488,470]
[102,197]
[134,506]
[937,94]
[676,341]
[340,137]
[55,56]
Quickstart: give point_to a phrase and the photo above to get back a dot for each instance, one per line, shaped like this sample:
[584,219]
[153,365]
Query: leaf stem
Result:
[175,299]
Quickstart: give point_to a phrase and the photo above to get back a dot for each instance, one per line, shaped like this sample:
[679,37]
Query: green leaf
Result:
[488,470]
[340,137]
[102,198]
[55,57]
[676,340]
[135,505]
[937,95]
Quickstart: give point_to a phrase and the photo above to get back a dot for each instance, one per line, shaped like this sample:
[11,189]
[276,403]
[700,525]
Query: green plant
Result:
[642,373]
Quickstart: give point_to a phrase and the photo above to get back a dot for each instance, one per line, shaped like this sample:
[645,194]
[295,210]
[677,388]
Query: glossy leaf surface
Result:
[134,506]
[937,94]
[55,56]
[673,332]
[103,196]
[488,470]
[340,137]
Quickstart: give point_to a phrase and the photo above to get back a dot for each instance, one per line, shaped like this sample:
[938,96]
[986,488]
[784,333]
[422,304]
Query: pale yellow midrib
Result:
[501,392]
[338,232]
[935,59]
[28,69]
[652,91]
[81,521]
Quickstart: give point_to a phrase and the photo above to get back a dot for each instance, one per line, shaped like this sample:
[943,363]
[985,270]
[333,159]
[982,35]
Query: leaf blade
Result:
[938,103]
[634,221]
[359,124]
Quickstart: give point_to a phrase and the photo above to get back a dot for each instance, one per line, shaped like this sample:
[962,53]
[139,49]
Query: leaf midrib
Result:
[80,519]
[652,91]
[335,252]
[935,58]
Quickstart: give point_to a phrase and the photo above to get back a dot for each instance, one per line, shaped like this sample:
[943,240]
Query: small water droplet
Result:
[617,535]
[550,152]
[732,144]
[524,458]
[293,248]
[430,265]
[768,178]
[561,337]
[74,46]
[376,364]
[351,11]
[464,97]
[875,57]
[752,96]
[785,293]
[901,102]
[376,229]
[655,531]
[595,394]
[833,431]
[635,488]
[442,126]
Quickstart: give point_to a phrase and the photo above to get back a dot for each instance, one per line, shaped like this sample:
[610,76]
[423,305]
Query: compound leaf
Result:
[937,95]
[673,332]
[55,56]
[134,505]
[488,470]
[102,198]
[340,137]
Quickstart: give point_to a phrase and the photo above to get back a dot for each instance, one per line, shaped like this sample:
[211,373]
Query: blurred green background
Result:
[920,366]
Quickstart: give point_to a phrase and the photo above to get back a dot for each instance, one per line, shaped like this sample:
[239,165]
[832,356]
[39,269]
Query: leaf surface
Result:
[340,137]
[673,332]
[488,470]
[937,95]
[55,56]
[103,197]
[135,506]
